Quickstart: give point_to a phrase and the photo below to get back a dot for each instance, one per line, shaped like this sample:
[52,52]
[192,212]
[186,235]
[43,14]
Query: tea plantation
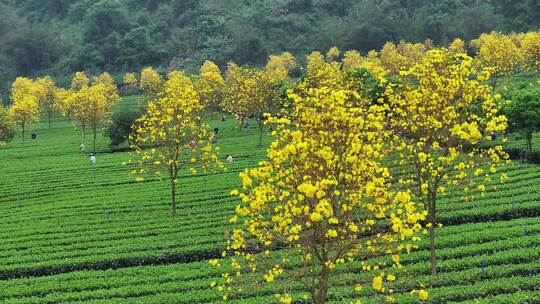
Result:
[73,233]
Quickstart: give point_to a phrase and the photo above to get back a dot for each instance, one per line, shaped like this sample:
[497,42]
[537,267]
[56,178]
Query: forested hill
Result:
[61,36]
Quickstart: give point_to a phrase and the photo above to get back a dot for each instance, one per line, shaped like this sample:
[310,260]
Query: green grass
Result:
[71,233]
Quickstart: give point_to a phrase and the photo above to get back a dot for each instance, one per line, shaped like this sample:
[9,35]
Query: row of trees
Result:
[325,194]
[55,36]
[88,102]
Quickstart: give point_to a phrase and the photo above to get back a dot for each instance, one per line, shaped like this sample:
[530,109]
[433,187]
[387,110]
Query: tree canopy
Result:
[60,36]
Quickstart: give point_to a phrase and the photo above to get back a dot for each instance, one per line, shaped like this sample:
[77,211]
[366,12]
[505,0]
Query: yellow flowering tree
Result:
[97,102]
[322,197]
[89,104]
[321,70]
[7,128]
[130,81]
[210,86]
[457,46]
[443,115]
[237,97]
[279,67]
[79,81]
[530,46]
[498,52]
[45,91]
[352,60]
[392,60]
[106,79]
[70,103]
[171,135]
[25,107]
[151,83]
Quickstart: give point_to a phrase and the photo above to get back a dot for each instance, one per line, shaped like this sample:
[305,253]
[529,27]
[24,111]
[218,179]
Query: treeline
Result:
[61,36]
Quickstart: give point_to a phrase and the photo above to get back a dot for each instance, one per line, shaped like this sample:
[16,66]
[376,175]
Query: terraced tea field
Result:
[71,233]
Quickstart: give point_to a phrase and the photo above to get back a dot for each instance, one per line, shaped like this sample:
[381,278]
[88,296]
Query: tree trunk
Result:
[529,147]
[261,129]
[320,297]
[241,124]
[49,119]
[83,127]
[95,135]
[22,132]
[432,247]
[432,214]
[173,198]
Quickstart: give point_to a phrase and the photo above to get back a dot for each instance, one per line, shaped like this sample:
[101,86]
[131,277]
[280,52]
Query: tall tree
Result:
[46,95]
[25,107]
[443,116]
[173,128]
[322,199]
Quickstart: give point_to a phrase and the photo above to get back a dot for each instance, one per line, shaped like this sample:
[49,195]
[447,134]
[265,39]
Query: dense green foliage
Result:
[72,233]
[524,114]
[121,126]
[62,36]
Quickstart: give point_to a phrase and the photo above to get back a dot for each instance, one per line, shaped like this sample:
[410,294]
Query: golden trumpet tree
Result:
[253,93]
[443,115]
[45,91]
[89,104]
[238,97]
[171,135]
[106,79]
[530,46]
[151,83]
[79,81]
[352,60]
[457,46]
[7,126]
[210,86]
[25,107]
[130,81]
[499,52]
[322,197]
[279,67]
[70,104]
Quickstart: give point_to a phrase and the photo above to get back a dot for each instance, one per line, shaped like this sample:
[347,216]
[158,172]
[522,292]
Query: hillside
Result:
[61,36]
[76,234]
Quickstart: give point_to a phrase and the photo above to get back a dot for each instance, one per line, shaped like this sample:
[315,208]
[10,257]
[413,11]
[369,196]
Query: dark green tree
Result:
[524,114]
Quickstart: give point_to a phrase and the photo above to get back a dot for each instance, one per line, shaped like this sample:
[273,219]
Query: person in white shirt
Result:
[229,159]
[92,159]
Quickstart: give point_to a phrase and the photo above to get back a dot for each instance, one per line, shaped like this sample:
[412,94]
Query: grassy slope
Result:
[73,234]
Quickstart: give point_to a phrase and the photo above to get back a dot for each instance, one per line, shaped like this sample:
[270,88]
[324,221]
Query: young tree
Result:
[322,197]
[530,46]
[70,103]
[89,104]
[443,115]
[80,80]
[151,83]
[236,100]
[46,94]
[7,127]
[25,107]
[95,107]
[499,52]
[524,114]
[279,67]
[174,134]
[130,81]
[210,86]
